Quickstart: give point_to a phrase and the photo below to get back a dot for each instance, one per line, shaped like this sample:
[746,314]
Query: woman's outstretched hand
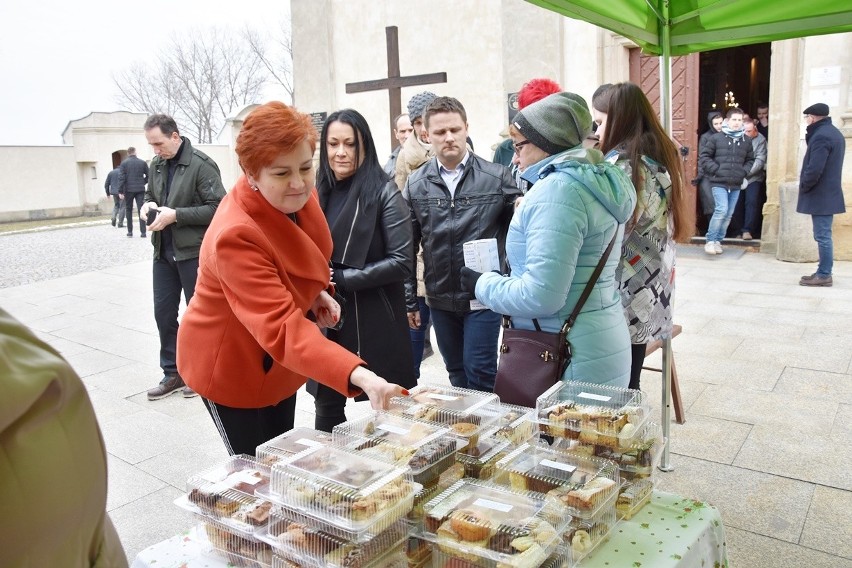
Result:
[326,310]
[378,390]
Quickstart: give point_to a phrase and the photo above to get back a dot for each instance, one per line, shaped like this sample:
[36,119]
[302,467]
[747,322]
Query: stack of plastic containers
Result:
[290,443]
[609,423]
[475,523]
[334,507]
[468,413]
[517,425]
[227,499]
[586,486]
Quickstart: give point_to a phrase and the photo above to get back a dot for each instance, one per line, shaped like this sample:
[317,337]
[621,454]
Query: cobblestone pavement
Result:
[34,256]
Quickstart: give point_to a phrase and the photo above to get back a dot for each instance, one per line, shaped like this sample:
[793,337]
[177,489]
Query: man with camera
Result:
[184,190]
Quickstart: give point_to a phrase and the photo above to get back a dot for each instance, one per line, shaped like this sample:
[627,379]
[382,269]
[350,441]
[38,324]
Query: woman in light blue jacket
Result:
[557,236]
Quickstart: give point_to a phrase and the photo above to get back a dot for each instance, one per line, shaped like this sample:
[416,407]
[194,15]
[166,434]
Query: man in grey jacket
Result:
[755,191]
[184,191]
[454,198]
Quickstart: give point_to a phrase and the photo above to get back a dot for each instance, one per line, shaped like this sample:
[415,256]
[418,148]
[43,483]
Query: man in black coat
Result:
[132,179]
[820,192]
[112,189]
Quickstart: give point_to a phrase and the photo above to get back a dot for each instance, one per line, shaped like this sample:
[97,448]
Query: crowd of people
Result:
[330,274]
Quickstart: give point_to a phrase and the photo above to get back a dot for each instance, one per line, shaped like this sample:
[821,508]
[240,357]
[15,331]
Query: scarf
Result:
[735,134]
[352,230]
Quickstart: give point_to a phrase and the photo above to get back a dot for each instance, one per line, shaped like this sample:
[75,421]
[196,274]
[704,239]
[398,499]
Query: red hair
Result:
[269,131]
[536,89]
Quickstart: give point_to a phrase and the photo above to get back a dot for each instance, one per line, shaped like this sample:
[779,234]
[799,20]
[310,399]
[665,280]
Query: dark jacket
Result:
[820,192]
[111,183]
[481,208]
[133,176]
[726,160]
[390,165]
[375,325]
[195,194]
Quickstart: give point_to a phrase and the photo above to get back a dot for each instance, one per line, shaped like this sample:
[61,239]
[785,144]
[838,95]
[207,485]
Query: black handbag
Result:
[532,361]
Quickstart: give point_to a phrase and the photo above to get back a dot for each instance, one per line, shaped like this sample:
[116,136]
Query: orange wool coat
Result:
[259,273]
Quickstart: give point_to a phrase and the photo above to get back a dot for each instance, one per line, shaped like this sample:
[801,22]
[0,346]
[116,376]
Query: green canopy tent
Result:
[680,27]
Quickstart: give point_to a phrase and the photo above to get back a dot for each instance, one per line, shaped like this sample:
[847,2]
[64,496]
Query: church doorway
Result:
[701,83]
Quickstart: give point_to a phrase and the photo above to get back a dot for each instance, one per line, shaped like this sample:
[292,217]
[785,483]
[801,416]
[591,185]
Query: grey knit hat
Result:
[555,123]
[417,104]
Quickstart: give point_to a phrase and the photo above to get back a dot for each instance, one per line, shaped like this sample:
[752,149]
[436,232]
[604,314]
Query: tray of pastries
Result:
[290,443]
[593,414]
[352,492]
[237,548]
[308,541]
[227,493]
[489,525]
[517,425]
[584,535]
[427,449]
[632,496]
[479,459]
[467,412]
[581,483]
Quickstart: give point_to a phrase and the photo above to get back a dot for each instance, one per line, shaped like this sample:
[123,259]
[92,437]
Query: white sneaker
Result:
[718,246]
[709,248]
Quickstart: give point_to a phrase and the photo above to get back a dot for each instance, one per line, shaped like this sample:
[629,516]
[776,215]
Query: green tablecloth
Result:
[670,531]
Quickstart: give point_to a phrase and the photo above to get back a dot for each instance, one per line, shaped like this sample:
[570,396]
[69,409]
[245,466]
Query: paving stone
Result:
[178,464]
[825,355]
[141,436]
[94,361]
[707,368]
[751,550]
[828,523]
[708,438]
[128,484]
[129,380]
[806,383]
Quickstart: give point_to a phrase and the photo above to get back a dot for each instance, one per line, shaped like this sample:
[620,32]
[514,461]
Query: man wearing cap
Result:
[454,198]
[820,192]
[416,149]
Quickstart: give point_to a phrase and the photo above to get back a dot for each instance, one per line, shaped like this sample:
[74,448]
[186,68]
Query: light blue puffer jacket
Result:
[555,240]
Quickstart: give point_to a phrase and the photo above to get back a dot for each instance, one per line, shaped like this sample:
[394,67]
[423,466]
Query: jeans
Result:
[468,343]
[419,335]
[753,217]
[118,210]
[822,235]
[170,278]
[726,201]
[139,196]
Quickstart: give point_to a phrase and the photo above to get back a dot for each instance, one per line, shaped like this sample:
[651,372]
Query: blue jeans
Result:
[468,343]
[726,201]
[822,235]
[418,336]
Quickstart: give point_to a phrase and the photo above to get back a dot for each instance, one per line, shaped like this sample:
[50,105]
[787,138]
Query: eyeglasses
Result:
[518,145]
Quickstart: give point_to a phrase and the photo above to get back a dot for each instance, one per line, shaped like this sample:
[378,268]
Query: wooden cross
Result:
[394,82]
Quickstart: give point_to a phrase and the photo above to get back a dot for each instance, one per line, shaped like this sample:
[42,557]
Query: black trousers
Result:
[244,429]
[129,197]
[171,277]
[637,353]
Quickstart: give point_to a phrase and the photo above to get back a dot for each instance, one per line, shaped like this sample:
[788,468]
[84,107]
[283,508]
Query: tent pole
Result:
[666,119]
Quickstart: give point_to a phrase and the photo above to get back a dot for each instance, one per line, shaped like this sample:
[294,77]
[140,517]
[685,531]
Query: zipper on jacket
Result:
[351,228]
[357,327]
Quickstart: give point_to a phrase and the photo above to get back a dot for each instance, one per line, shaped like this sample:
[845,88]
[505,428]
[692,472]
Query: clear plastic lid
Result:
[517,425]
[632,496]
[583,535]
[239,549]
[426,448]
[343,488]
[494,524]
[290,443]
[592,413]
[297,539]
[635,455]
[479,459]
[583,484]
[467,412]
[226,493]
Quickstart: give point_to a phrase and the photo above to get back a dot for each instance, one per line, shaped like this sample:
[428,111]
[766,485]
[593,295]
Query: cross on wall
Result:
[394,82]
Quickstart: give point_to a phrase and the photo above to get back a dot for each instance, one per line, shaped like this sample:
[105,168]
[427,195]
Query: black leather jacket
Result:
[481,208]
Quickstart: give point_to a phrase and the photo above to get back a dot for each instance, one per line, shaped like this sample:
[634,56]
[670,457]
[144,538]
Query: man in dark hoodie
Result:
[705,192]
[725,159]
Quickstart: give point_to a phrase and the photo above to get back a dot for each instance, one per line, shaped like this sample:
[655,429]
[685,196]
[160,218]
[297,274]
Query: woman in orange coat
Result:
[251,334]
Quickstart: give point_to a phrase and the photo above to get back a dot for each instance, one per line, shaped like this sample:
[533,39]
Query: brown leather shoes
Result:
[170,384]
[815,280]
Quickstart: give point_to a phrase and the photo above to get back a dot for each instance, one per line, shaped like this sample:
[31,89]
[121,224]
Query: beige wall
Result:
[37,179]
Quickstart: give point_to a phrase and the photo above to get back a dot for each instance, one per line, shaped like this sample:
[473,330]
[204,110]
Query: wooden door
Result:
[645,72]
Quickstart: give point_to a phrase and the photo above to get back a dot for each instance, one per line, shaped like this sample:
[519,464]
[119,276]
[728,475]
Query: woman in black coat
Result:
[372,257]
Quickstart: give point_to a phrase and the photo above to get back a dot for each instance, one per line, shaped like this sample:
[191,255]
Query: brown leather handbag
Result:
[532,361]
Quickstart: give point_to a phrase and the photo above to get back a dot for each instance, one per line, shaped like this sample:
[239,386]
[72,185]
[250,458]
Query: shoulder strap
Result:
[569,323]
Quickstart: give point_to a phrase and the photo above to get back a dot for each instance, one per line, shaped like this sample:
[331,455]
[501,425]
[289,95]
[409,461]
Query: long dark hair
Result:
[633,128]
[369,177]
